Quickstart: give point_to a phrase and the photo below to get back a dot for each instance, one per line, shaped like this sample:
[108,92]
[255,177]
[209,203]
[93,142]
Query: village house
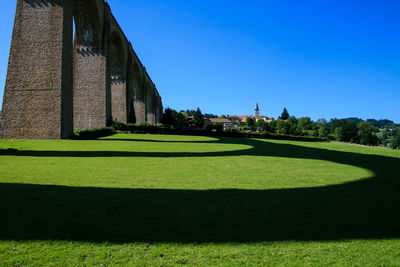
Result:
[256,117]
[226,123]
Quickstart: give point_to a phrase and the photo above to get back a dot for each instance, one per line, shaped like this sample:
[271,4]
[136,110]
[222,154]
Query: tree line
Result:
[353,130]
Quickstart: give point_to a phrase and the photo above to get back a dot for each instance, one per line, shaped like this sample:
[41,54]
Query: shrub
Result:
[218,126]
[396,141]
[94,133]
[145,124]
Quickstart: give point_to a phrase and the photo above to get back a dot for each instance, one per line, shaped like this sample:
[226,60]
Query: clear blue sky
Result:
[323,59]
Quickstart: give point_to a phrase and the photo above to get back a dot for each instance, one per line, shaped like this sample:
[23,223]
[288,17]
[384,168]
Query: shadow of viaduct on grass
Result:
[365,209]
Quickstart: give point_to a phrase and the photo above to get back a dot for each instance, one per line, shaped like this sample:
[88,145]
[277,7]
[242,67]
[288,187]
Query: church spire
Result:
[257,112]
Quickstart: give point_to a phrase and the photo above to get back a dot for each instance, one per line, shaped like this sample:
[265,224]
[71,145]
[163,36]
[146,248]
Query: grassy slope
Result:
[168,200]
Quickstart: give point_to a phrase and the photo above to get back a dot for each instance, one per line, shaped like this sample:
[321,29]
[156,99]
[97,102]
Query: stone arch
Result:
[118,58]
[88,22]
[118,74]
[61,83]
[135,96]
[91,92]
[149,103]
[157,105]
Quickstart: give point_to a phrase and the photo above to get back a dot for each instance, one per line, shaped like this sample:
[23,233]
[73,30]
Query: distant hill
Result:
[353,119]
[381,123]
[377,123]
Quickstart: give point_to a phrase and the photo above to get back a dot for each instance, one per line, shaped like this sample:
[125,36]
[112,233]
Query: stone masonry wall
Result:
[37,101]
[140,109]
[119,98]
[54,85]
[91,89]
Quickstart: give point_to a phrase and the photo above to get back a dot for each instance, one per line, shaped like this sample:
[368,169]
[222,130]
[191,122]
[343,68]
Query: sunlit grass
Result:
[183,200]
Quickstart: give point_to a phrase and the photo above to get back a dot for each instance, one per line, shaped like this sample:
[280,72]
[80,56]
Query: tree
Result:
[283,127]
[208,115]
[180,119]
[250,122]
[190,112]
[339,134]
[396,141]
[305,124]
[351,132]
[367,133]
[321,126]
[260,125]
[271,126]
[173,118]
[285,115]
[167,117]
[322,132]
[347,132]
[198,119]
[321,122]
[292,121]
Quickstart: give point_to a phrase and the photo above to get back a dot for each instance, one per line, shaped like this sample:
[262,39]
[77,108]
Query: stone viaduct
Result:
[71,66]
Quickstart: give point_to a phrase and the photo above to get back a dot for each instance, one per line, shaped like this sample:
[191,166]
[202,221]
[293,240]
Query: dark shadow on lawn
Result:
[364,209]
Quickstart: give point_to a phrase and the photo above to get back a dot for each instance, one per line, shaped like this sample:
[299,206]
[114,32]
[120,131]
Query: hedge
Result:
[162,129]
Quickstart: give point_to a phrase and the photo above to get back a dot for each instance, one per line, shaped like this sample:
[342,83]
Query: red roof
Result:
[220,120]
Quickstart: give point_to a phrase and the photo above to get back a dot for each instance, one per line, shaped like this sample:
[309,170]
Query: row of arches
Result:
[71,66]
[110,82]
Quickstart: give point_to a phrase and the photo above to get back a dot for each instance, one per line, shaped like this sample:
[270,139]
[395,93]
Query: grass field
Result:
[156,200]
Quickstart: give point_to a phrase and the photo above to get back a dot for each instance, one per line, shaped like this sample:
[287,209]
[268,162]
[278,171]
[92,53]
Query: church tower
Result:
[257,113]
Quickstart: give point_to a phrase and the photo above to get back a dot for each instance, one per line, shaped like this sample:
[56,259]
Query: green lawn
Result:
[157,200]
